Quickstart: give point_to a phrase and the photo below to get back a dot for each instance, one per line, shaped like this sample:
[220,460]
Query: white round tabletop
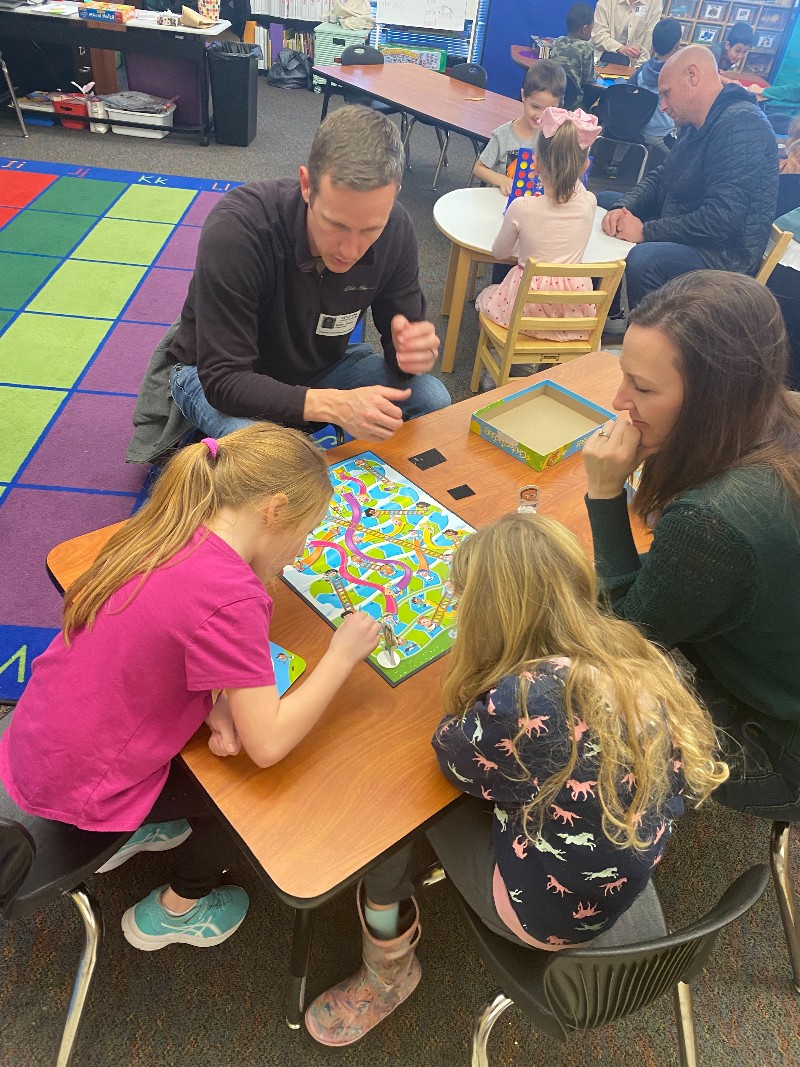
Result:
[472,217]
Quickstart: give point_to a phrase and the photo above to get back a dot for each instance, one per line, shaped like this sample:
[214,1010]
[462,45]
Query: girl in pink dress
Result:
[553,228]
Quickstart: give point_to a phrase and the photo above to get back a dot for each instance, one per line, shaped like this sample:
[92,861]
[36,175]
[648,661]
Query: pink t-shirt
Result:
[92,737]
[552,233]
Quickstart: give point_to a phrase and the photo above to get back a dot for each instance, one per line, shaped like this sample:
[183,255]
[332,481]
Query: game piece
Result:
[384,547]
[458,492]
[528,500]
[432,458]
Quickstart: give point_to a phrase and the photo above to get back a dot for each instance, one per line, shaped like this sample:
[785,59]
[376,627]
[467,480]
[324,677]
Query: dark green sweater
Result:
[723,576]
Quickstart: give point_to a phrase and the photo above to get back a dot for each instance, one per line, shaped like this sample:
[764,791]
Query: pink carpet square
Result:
[160,297]
[120,364]
[200,208]
[181,249]
[85,448]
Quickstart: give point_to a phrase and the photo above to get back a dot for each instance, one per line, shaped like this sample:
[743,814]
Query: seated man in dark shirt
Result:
[712,202]
[285,269]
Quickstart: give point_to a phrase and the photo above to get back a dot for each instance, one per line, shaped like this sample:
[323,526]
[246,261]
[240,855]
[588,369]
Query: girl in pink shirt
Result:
[173,609]
[552,228]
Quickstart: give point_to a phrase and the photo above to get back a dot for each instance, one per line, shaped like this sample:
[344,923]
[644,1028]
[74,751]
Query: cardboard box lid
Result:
[545,418]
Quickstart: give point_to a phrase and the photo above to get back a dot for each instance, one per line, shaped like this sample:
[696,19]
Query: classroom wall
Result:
[513,22]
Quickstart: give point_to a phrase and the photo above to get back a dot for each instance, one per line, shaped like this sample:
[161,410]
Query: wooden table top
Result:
[309,823]
[427,93]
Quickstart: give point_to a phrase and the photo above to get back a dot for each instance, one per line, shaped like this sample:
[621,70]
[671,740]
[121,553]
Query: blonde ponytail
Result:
[562,159]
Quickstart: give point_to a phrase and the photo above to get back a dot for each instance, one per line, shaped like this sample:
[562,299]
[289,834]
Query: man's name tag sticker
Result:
[336,325]
[640,9]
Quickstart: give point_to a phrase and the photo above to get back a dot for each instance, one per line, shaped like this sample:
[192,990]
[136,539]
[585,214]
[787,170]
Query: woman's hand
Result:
[609,456]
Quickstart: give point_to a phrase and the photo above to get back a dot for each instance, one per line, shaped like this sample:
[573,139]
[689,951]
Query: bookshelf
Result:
[706,22]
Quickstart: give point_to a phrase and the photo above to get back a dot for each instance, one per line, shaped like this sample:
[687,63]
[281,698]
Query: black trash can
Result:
[234,91]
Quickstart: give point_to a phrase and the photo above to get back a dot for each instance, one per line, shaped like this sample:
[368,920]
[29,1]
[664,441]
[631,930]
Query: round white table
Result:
[471,218]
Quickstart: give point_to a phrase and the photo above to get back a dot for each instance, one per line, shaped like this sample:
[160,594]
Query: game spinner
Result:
[384,547]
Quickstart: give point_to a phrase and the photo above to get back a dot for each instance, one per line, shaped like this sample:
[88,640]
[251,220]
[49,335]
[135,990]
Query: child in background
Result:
[731,51]
[174,608]
[553,228]
[543,87]
[575,52]
[576,743]
[791,164]
[666,42]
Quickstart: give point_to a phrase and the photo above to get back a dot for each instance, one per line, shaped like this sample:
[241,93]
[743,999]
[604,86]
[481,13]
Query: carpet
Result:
[94,265]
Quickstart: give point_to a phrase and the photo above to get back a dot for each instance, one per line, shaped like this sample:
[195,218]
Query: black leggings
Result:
[197,866]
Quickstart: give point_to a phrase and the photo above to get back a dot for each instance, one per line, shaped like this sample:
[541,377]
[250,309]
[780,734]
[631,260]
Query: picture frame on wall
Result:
[758,64]
[682,9]
[743,13]
[706,34]
[774,19]
[686,31]
[765,40]
[712,11]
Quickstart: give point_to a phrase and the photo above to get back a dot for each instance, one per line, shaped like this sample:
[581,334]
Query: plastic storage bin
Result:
[70,104]
[330,40]
[161,123]
[234,91]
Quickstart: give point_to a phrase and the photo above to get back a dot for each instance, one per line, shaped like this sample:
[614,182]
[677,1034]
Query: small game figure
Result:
[282,657]
[386,569]
[388,656]
[426,622]
[528,500]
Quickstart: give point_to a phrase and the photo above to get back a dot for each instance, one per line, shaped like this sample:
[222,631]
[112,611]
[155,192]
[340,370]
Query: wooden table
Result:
[451,104]
[471,218]
[366,778]
[526,57]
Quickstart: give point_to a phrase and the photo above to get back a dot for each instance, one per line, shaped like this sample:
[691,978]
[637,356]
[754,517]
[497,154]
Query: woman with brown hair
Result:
[704,364]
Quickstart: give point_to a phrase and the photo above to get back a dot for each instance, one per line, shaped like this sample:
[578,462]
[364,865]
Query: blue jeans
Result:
[653,263]
[360,366]
[609,199]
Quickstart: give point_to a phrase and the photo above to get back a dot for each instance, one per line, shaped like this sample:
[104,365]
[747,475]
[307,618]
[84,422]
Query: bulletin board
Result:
[429,14]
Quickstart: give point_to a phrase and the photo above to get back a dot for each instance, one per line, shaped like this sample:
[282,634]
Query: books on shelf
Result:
[301,10]
[275,37]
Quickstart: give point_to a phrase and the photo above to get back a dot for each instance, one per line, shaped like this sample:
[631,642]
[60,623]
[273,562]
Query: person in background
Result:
[575,52]
[624,28]
[578,746]
[737,43]
[713,200]
[791,164]
[543,87]
[660,129]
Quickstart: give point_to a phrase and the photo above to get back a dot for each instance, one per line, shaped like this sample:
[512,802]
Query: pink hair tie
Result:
[555,117]
[211,445]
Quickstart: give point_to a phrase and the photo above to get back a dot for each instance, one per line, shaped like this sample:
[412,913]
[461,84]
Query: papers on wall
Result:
[429,14]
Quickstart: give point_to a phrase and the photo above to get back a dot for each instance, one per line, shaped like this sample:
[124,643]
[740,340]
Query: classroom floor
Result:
[224,1008]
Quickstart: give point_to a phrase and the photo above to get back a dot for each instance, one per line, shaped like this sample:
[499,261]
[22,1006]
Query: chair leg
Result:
[93,925]
[442,158]
[780,861]
[684,1017]
[17,110]
[482,1027]
[410,123]
[435,873]
[302,935]
[645,157]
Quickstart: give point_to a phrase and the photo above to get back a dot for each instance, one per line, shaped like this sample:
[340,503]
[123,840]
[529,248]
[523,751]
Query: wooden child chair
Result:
[778,243]
[500,348]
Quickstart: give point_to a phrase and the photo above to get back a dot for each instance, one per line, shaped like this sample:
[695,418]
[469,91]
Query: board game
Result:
[384,547]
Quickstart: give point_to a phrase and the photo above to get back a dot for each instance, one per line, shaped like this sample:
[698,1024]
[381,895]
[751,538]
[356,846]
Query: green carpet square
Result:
[28,411]
[45,350]
[152,204]
[98,290]
[5,316]
[44,233]
[21,276]
[79,196]
[121,241]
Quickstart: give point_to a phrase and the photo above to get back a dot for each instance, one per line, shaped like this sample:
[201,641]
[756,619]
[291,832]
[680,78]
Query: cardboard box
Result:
[540,425]
[101,12]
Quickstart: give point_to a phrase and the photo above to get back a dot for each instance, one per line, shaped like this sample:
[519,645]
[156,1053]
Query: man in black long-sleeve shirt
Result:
[284,271]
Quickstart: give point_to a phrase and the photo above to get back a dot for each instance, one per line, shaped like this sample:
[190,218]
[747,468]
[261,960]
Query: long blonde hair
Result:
[562,159]
[251,466]
[527,592]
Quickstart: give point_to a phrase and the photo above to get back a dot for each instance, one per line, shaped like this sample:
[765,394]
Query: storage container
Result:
[160,123]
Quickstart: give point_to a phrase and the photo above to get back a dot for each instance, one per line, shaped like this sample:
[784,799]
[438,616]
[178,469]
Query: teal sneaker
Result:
[152,837]
[148,926]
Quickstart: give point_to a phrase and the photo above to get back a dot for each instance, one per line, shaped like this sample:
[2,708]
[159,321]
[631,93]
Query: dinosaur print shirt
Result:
[571,883]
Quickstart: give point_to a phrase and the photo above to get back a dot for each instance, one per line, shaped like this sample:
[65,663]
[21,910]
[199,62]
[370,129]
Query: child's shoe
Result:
[152,837]
[149,926]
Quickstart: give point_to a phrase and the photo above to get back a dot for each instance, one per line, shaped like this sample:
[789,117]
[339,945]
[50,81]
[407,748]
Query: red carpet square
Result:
[18,188]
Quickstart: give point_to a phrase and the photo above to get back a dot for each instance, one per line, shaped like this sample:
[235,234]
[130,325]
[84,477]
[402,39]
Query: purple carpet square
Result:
[32,522]
[121,362]
[160,297]
[200,208]
[85,449]
[181,249]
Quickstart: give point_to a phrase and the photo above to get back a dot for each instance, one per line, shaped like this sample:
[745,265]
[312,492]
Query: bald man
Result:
[712,202]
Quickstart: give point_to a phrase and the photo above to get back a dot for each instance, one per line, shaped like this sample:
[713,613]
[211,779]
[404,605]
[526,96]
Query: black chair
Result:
[472,74]
[571,93]
[780,862]
[624,112]
[583,989]
[12,96]
[363,55]
[788,193]
[39,861]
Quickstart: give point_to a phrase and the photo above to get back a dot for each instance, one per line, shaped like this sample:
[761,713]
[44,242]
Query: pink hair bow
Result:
[555,117]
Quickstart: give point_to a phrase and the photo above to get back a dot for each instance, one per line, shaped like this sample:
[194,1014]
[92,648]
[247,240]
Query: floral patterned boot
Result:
[389,973]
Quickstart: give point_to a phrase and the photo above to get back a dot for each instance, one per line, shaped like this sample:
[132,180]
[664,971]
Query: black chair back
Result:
[16,858]
[788,193]
[471,73]
[625,111]
[361,55]
[571,93]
